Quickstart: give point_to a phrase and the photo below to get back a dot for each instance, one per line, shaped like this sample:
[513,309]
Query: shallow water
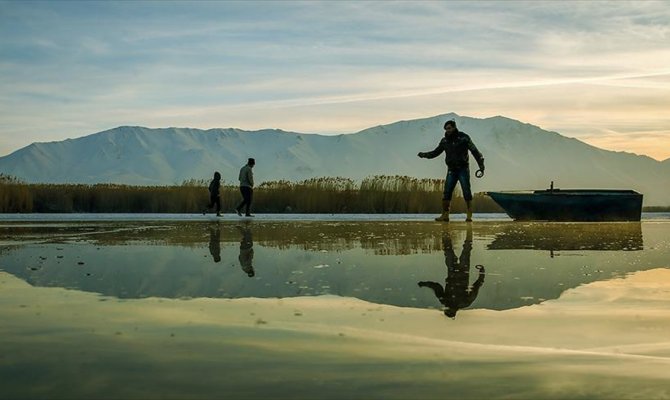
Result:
[334,309]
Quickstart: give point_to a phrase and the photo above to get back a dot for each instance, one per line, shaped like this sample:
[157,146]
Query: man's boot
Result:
[468,215]
[445,212]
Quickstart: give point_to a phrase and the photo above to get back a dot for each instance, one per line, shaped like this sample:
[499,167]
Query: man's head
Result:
[251,162]
[450,127]
[217,175]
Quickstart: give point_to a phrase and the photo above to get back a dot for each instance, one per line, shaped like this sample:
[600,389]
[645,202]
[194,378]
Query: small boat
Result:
[570,204]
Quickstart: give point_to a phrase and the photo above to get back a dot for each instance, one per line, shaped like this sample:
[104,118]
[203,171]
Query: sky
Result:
[596,71]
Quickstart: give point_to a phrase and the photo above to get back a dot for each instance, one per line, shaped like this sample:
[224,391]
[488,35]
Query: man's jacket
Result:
[246,177]
[455,147]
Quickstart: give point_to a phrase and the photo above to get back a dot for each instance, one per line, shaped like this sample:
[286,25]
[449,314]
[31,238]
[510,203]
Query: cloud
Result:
[69,70]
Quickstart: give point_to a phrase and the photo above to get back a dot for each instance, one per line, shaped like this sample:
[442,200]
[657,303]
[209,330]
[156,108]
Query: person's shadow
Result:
[457,293]
[246,256]
[215,243]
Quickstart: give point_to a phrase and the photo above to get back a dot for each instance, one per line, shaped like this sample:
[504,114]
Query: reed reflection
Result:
[457,293]
[246,256]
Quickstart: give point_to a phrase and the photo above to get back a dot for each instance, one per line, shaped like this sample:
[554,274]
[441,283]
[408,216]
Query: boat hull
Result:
[571,205]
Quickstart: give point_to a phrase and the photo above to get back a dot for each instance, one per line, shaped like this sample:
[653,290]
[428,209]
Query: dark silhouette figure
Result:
[455,145]
[456,293]
[246,187]
[214,194]
[246,250]
[215,243]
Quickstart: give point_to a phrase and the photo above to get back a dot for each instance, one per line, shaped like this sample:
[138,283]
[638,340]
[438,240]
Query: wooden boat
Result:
[571,204]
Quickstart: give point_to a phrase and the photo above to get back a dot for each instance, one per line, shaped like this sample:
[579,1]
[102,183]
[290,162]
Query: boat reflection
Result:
[457,293]
[582,236]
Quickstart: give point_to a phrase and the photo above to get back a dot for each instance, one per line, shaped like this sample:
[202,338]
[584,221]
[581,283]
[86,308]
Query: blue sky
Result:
[598,71]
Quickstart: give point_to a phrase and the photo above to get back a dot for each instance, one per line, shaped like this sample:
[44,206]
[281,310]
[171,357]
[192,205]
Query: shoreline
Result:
[131,217]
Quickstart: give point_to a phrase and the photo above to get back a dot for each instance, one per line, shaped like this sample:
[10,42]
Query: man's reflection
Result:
[215,243]
[246,250]
[456,293]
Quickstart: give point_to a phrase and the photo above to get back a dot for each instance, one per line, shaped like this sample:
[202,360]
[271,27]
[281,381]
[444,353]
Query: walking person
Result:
[456,144]
[214,194]
[246,187]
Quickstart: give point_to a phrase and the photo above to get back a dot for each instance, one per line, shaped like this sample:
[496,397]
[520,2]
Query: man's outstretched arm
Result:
[432,154]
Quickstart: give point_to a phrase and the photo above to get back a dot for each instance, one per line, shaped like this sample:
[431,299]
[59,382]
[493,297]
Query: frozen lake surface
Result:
[342,306]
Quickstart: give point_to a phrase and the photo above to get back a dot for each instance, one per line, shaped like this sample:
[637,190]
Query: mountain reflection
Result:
[379,262]
[457,293]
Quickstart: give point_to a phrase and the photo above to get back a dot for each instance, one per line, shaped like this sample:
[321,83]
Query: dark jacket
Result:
[455,147]
[214,188]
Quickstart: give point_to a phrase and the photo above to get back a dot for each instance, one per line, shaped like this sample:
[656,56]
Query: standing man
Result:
[246,187]
[456,145]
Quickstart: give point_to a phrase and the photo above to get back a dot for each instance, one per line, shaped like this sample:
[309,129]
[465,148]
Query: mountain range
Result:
[518,156]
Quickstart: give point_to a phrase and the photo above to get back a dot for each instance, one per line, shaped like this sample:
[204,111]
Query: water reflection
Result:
[72,343]
[457,293]
[215,242]
[553,237]
[246,256]
[378,262]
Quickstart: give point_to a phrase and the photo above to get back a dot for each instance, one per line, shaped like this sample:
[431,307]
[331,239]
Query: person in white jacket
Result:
[246,187]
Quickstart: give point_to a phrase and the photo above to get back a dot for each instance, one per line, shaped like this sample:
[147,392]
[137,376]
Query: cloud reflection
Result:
[604,339]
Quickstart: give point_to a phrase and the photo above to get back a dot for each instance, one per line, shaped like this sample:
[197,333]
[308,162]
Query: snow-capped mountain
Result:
[518,156]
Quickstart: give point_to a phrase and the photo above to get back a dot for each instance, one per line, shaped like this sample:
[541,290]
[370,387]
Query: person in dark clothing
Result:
[214,195]
[246,187]
[455,295]
[246,256]
[215,243]
[456,144]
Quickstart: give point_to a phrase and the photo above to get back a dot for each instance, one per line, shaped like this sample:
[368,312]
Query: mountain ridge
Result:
[518,156]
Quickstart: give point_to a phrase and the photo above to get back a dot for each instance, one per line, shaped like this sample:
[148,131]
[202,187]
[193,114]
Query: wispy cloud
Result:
[72,68]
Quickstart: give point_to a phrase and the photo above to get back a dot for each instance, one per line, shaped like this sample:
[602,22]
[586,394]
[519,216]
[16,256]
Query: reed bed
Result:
[377,194]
